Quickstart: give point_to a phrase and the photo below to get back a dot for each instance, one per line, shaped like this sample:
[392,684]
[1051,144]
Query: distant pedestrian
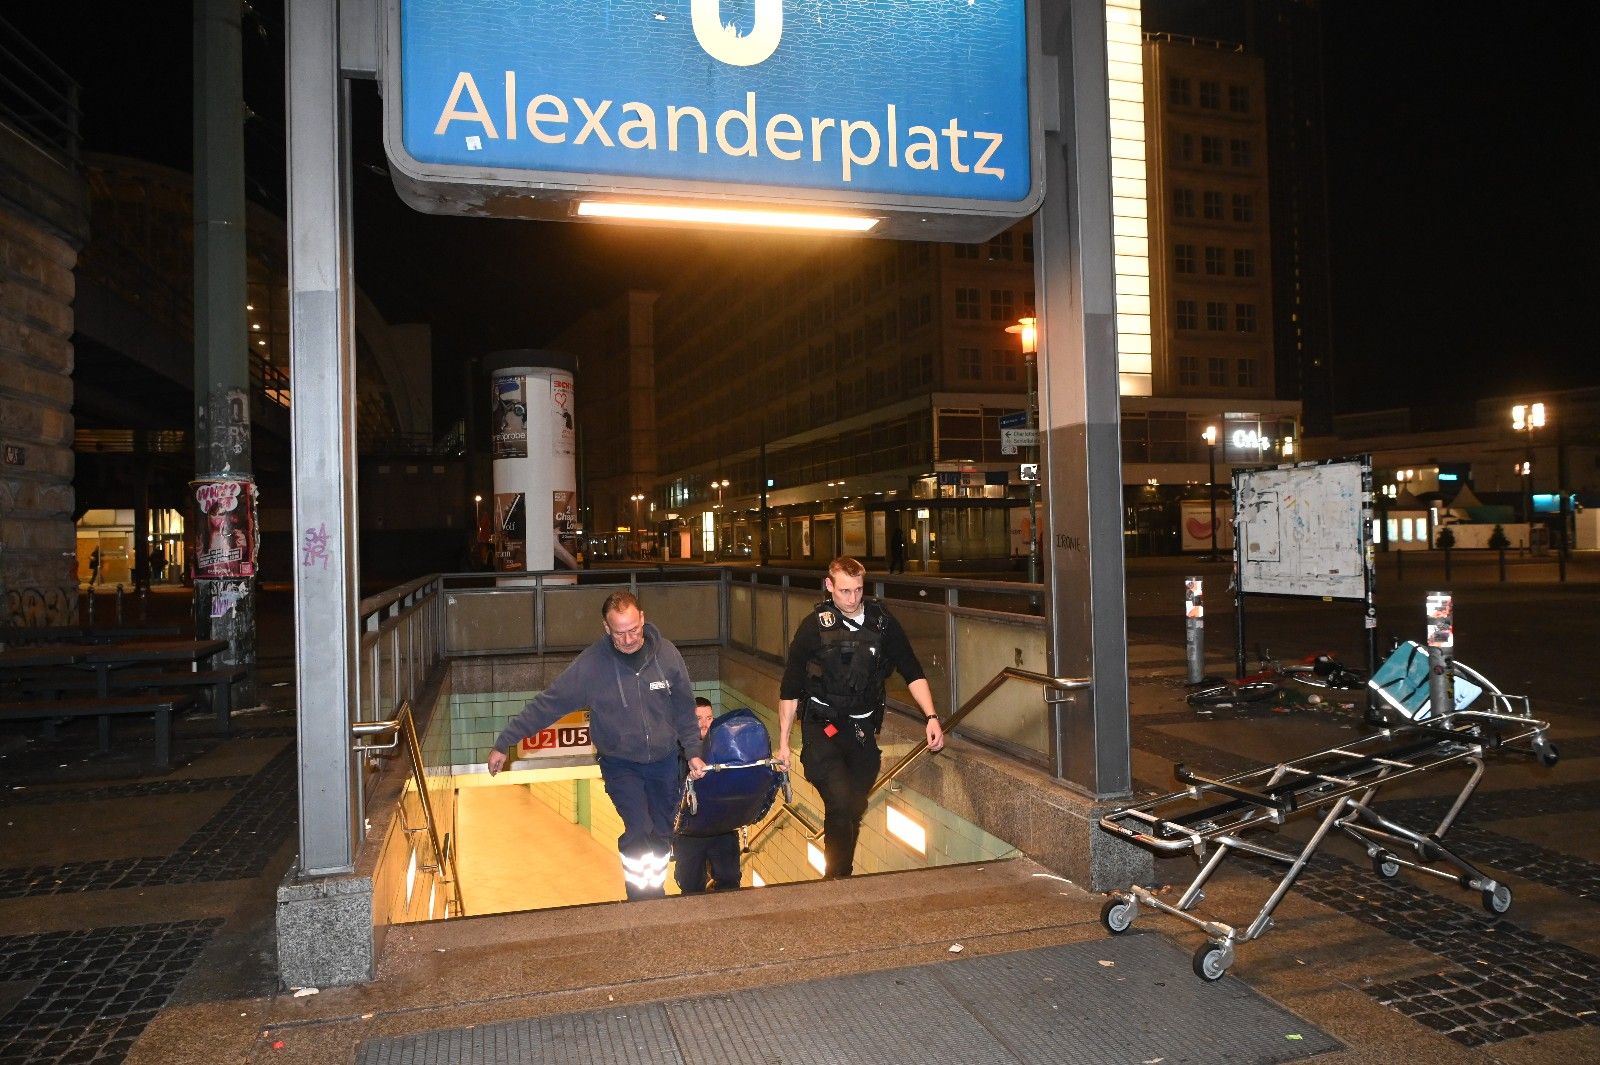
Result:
[94,567]
[897,551]
[158,563]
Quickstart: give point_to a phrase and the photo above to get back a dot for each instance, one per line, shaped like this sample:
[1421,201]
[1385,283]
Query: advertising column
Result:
[534,447]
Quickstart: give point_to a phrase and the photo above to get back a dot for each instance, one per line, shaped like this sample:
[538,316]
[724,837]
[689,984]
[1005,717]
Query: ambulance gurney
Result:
[742,778]
[1210,819]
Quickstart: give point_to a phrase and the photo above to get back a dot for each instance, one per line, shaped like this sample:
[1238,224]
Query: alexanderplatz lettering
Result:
[915,111]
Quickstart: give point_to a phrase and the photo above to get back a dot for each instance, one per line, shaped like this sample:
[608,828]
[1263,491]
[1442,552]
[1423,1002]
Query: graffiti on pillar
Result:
[224,427]
[38,606]
[510,418]
[222,529]
[315,547]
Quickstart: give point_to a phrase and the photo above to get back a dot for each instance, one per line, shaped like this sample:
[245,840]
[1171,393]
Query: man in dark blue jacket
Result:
[636,688]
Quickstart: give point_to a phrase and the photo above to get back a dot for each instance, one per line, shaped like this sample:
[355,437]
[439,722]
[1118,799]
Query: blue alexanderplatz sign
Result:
[898,103]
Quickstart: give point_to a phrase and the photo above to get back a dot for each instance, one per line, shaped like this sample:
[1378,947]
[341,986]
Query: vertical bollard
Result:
[1441,639]
[1502,565]
[119,607]
[90,622]
[1194,627]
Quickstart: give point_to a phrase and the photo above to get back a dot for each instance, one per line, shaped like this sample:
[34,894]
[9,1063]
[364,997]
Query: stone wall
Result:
[43,223]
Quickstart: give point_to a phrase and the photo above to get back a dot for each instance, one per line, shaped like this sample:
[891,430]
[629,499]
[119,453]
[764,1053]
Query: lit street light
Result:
[1525,419]
[1210,437]
[719,485]
[637,497]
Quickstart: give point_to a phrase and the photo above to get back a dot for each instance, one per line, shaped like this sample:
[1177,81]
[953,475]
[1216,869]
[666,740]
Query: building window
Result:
[1002,305]
[1243,208]
[969,364]
[1244,262]
[1217,372]
[1211,94]
[1183,147]
[1216,261]
[1004,361]
[1216,315]
[1239,99]
[1240,152]
[1178,91]
[1211,151]
[1247,373]
[966,251]
[1183,258]
[1188,370]
[1027,247]
[967,306]
[1000,247]
[1213,206]
[1244,317]
[1183,203]
[1186,314]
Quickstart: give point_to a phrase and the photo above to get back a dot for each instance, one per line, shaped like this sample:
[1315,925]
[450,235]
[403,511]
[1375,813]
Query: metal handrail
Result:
[404,727]
[1058,690]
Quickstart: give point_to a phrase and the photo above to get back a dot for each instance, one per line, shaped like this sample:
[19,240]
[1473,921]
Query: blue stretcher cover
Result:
[731,798]
[1402,680]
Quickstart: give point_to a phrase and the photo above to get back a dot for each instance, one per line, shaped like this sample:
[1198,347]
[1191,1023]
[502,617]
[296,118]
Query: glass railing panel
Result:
[770,635]
[741,625]
[489,621]
[685,613]
[1016,712]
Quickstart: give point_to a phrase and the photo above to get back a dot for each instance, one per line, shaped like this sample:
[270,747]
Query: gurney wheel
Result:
[1385,866]
[1548,755]
[1211,961]
[1497,900]
[1117,915]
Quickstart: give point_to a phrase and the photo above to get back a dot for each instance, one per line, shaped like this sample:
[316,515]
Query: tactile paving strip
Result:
[1051,1005]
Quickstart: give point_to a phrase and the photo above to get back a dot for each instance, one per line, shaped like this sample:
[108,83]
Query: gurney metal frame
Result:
[1343,781]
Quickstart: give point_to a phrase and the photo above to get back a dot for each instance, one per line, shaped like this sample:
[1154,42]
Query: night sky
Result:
[1454,134]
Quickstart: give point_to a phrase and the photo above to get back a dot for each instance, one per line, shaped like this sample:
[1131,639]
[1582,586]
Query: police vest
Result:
[844,678]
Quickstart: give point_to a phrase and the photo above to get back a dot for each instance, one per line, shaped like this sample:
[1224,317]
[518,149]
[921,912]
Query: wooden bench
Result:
[219,681]
[52,710]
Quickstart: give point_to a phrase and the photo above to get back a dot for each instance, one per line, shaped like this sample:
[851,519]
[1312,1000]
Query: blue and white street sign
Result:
[1017,419]
[908,104]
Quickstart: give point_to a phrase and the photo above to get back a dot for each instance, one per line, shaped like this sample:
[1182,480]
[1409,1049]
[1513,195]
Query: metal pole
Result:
[322,361]
[1211,492]
[1031,360]
[1194,628]
[1083,570]
[1561,500]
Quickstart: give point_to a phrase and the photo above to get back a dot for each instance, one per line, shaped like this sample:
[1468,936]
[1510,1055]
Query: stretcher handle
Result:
[715,766]
[1283,804]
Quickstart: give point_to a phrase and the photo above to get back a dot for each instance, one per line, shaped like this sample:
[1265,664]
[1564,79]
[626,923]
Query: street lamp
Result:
[1210,437]
[637,498]
[719,485]
[1525,418]
[1027,330]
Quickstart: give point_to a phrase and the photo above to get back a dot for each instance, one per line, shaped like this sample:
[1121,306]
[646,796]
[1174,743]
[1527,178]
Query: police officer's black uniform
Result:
[836,669]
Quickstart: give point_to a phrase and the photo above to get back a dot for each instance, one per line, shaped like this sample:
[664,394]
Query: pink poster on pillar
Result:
[222,540]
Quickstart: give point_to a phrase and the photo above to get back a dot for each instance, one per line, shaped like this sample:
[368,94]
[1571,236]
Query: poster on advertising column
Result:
[561,426]
[510,418]
[510,532]
[222,536]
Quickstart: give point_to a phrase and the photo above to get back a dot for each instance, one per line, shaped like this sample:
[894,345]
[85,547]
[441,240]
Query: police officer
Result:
[840,656]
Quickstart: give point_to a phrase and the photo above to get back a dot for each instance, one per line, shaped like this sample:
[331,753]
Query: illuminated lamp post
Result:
[716,523]
[1210,437]
[1027,330]
[1525,418]
[638,540]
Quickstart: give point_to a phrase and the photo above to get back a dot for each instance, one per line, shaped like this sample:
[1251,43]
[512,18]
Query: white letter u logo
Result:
[724,43]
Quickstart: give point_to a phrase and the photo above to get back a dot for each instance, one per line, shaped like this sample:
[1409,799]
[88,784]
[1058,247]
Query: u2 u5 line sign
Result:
[924,111]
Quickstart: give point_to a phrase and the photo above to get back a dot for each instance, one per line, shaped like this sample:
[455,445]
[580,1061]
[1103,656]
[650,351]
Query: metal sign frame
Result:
[441,188]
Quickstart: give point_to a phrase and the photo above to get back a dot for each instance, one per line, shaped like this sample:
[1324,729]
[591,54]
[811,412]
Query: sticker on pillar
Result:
[510,532]
[222,529]
[561,427]
[510,418]
[570,735]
